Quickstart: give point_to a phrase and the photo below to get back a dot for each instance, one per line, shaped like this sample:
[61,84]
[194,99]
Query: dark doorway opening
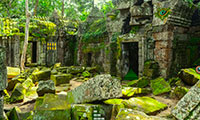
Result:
[89,60]
[131,60]
[34,52]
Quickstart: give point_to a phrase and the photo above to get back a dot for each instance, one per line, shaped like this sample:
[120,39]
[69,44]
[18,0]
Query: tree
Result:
[35,9]
[63,8]
[28,15]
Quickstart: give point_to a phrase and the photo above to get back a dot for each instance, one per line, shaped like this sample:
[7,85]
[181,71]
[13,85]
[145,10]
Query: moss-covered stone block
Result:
[130,114]
[14,114]
[179,92]
[61,79]
[18,93]
[46,87]
[57,65]
[91,112]
[100,87]
[13,82]
[117,105]
[189,106]
[6,97]
[52,102]
[143,82]
[28,84]
[151,69]
[173,81]
[189,76]
[131,91]
[12,72]
[54,72]
[75,70]
[146,104]
[160,86]
[41,75]
[31,93]
[52,115]
[113,101]
[26,115]
[52,107]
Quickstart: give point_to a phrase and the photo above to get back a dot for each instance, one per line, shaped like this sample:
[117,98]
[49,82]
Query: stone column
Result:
[1,108]
[3,77]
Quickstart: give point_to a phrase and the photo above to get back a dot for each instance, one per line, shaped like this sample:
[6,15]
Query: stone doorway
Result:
[89,59]
[130,57]
[34,52]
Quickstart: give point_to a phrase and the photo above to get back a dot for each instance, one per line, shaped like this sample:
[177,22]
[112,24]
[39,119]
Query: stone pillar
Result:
[163,50]
[3,77]
[1,108]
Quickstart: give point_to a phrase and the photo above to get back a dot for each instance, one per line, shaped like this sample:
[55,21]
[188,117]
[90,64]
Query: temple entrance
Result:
[130,60]
[89,59]
[34,52]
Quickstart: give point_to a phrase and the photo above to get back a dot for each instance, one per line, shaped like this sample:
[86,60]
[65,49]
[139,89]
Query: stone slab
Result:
[188,106]
[101,87]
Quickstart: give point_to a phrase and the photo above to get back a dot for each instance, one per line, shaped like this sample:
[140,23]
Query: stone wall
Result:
[12,45]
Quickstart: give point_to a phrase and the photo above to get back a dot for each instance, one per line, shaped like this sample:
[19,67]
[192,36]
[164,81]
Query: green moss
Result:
[113,101]
[145,104]
[143,82]
[41,75]
[132,83]
[179,92]
[38,102]
[18,93]
[86,74]
[14,114]
[52,115]
[61,79]
[173,81]
[160,86]
[130,91]
[189,76]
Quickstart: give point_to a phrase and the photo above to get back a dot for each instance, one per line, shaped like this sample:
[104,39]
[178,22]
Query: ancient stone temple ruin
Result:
[142,30]
[165,31]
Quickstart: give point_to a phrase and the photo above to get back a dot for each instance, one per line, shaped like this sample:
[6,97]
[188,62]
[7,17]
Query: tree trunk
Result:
[35,9]
[63,8]
[23,57]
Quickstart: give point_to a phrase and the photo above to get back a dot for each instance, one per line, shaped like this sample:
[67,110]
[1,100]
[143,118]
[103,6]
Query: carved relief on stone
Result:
[141,15]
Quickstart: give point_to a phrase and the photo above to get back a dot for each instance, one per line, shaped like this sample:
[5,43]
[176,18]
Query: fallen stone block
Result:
[12,72]
[160,86]
[178,92]
[52,102]
[189,76]
[18,93]
[131,91]
[26,115]
[46,87]
[52,115]
[189,106]
[91,112]
[148,105]
[101,87]
[129,114]
[52,107]
[14,114]
[75,69]
[61,79]
[41,75]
